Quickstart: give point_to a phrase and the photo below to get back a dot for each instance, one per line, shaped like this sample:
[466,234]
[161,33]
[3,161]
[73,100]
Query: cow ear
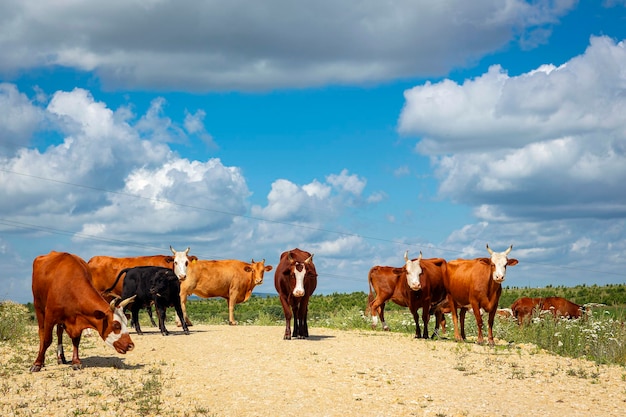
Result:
[192,258]
[99,314]
[169,259]
[247,268]
[268,268]
[512,262]
[398,271]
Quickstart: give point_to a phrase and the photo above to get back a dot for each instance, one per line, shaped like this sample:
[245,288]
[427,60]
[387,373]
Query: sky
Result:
[355,130]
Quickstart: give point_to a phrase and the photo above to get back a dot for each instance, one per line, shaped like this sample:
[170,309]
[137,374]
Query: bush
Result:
[14,321]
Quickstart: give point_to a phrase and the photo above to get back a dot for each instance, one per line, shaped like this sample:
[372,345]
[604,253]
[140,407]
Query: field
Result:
[344,368]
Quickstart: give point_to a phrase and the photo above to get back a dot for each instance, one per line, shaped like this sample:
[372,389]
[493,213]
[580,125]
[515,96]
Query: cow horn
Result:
[419,258]
[187,251]
[127,301]
[252,261]
[506,252]
[172,249]
[309,259]
[406,256]
[112,303]
[289,257]
[489,249]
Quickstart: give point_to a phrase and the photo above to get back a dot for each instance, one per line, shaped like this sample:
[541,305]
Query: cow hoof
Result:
[77,366]
[35,368]
[186,331]
[287,337]
[232,323]
[61,360]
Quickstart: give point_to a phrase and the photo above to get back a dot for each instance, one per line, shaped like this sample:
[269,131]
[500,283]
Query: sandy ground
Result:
[252,371]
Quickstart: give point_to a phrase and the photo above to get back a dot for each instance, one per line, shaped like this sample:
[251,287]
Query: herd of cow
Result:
[74,295]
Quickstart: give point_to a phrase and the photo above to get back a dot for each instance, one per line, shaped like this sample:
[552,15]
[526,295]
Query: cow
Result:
[152,284]
[105,269]
[439,311]
[64,296]
[230,279]
[561,307]
[524,307]
[295,280]
[476,283]
[418,284]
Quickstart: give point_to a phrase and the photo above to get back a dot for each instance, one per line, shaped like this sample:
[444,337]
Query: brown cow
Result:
[561,307]
[418,284]
[295,280]
[230,279]
[476,283]
[63,296]
[105,269]
[524,307]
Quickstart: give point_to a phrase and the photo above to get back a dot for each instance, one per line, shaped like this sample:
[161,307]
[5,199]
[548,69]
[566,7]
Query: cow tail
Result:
[108,290]
[370,297]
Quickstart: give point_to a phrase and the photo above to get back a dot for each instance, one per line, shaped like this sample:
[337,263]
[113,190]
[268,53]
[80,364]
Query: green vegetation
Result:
[14,319]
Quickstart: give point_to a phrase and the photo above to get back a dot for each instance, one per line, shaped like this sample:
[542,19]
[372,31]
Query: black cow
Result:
[153,284]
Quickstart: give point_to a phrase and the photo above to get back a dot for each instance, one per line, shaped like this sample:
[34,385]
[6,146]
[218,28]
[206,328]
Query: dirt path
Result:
[251,371]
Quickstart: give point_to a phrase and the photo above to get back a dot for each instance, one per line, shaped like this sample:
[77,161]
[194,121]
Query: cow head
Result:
[258,269]
[117,336]
[160,283]
[181,261]
[299,270]
[413,271]
[499,262]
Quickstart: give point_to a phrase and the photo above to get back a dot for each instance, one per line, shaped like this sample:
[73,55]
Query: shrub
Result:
[14,321]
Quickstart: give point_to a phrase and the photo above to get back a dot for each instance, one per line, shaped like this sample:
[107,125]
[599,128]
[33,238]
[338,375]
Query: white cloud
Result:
[548,143]
[19,118]
[277,43]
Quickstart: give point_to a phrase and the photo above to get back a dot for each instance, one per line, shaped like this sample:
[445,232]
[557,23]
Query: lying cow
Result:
[152,284]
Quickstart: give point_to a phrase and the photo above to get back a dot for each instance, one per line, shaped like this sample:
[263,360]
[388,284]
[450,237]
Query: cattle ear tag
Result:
[194,261]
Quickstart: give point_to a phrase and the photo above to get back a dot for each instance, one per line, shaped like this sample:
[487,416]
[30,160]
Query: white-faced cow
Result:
[295,280]
[230,279]
[476,284]
[105,269]
[64,296]
[152,284]
[417,284]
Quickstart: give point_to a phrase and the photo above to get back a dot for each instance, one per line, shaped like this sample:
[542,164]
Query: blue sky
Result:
[355,130]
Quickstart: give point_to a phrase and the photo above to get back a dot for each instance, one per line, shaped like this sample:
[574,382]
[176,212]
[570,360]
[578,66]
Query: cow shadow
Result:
[317,338]
[107,362]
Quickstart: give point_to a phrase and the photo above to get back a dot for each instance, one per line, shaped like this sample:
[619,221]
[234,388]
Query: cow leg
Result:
[455,319]
[60,354]
[149,311]
[381,313]
[231,310]
[161,309]
[183,305]
[180,316]
[426,316]
[135,314]
[297,318]
[479,323]
[45,340]
[76,364]
[303,328]
[416,318]
[492,316]
[288,314]
[462,317]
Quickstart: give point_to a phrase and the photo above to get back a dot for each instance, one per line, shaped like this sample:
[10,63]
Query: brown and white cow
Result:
[524,307]
[230,279]
[105,269]
[561,307]
[295,280]
[64,296]
[418,284]
[476,283]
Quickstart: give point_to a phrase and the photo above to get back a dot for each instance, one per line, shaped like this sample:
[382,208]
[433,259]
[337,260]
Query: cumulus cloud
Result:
[18,120]
[273,44]
[547,144]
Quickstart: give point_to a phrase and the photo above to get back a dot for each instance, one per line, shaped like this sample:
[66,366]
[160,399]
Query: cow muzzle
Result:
[124,344]
[298,293]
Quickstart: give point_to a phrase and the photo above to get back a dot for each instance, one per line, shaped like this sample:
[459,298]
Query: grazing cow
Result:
[476,283]
[561,307]
[230,279]
[523,308]
[152,284]
[418,284]
[105,269]
[295,280]
[64,296]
